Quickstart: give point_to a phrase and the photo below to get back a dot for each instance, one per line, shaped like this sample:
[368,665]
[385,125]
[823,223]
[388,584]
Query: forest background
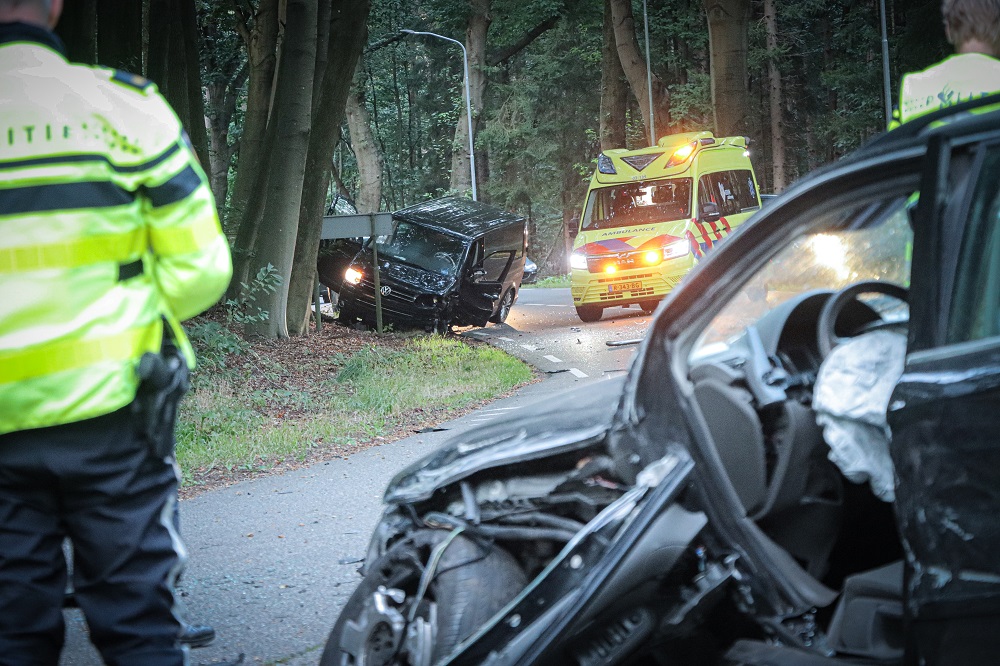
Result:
[296,106]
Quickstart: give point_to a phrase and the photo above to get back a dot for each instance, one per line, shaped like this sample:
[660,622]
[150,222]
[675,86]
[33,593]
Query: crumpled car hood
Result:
[571,420]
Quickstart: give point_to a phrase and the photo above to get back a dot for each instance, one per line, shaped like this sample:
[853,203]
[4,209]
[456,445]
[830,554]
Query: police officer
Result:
[973,28]
[108,239]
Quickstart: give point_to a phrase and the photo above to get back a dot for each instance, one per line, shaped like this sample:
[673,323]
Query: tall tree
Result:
[475,45]
[225,71]
[634,65]
[119,35]
[369,156]
[260,33]
[345,39]
[728,24]
[286,168]
[775,98]
[78,30]
[614,87]
[187,25]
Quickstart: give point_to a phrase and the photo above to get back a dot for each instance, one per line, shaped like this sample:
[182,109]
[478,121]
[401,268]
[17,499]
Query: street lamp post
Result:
[468,101]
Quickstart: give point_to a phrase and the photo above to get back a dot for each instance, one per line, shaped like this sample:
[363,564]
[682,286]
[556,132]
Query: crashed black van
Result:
[448,262]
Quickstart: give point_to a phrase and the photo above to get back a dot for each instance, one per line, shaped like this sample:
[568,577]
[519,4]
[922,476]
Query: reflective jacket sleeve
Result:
[189,259]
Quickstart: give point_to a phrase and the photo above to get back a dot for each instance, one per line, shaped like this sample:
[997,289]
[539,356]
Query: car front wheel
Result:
[396,617]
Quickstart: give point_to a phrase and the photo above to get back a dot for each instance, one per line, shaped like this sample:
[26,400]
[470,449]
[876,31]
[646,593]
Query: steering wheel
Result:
[826,327]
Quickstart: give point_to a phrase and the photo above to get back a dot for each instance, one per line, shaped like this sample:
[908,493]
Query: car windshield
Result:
[425,248]
[875,246]
[638,203]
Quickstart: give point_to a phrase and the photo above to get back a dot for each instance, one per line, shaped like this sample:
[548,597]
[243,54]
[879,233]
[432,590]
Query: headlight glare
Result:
[353,276]
[578,261]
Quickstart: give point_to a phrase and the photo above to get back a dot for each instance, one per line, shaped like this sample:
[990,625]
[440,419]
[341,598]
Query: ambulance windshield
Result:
[638,203]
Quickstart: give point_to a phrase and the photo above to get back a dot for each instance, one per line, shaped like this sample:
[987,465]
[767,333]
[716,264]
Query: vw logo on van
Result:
[386,290]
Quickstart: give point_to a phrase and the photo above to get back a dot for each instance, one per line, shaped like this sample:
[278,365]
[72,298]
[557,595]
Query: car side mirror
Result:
[709,212]
[477,275]
[574,231]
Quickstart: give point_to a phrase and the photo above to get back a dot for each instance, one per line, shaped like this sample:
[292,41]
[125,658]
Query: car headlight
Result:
[676,249]
[578,261]
[353,276]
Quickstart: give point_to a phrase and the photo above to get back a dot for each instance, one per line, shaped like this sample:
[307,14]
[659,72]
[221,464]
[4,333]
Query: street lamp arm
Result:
[468,101]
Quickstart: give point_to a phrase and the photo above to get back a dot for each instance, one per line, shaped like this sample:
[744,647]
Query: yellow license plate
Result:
[624,286]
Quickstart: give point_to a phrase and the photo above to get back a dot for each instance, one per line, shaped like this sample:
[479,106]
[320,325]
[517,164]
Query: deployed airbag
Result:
[850,399]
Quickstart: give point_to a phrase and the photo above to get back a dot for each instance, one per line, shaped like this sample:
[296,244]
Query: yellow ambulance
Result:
[652,213]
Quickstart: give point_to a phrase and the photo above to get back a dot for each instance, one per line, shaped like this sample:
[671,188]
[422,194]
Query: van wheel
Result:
[506,303]
[648,306]
[589,313]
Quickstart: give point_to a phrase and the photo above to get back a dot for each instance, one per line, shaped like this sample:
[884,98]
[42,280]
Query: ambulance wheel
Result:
[648,306]
[589,313]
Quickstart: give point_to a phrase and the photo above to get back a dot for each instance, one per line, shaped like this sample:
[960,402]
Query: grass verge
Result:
[551,282]
[286,403]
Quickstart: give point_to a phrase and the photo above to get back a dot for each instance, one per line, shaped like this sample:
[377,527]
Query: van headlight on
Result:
[353,276]
[652,257]
[676,249]
[578,261]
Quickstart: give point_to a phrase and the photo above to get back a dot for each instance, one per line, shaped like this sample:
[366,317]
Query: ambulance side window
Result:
[732,191]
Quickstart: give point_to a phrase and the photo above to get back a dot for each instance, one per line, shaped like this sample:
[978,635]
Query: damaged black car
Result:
[801,467]
[448,262]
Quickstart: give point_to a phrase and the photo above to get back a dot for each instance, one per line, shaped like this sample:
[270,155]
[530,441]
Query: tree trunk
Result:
[367,152]
[347,36]
[251,169]
[177,68]
[776,98]
[187,23]
[78,30]
[119,35]
[475,44]
[223,96]
[291,125]
[634,65]
[158,60]
[614,88]
[728,24]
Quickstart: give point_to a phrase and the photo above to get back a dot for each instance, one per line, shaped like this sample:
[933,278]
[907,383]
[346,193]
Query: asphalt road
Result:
[273,560]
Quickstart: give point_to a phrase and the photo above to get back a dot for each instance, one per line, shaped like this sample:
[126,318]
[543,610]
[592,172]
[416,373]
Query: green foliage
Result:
[244,310]
[553,281]
[213,342]
[245,417]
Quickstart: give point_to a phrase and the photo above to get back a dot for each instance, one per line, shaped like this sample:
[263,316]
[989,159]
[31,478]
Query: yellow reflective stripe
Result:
[74,253]
[186,239]
[19,365]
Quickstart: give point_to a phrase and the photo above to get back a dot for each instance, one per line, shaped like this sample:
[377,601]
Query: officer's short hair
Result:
[972,19]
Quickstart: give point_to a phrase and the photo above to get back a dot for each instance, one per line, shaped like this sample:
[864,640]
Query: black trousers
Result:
[97,483]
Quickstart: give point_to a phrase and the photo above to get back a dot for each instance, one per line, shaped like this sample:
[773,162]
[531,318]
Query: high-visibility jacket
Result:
[107,228]
[956,79]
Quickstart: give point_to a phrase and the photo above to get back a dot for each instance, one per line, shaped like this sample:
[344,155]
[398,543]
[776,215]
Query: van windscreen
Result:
[638,203]
[425,248]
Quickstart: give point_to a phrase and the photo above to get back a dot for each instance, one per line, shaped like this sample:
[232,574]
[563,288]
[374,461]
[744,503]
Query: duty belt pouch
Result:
[163,381]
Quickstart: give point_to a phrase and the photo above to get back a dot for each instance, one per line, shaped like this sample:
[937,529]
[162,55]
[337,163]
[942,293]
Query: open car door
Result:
[943,412]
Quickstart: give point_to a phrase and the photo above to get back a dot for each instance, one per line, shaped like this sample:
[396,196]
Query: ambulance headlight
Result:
[652,257]
[578,261]
[676,249]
